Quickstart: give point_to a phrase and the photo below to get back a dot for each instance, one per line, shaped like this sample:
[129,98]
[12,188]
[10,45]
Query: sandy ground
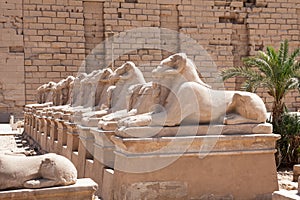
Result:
[285,178]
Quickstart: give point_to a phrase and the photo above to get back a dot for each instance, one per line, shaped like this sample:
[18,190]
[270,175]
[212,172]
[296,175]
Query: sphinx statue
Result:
[115,92]
[65,91]
[93,93]
[185,97]
[61,94]
[40,97]
[70,92]
[101,95]
[36,171]
[139,100]
[87,88]
[45,93]
[76,91]
[50,91]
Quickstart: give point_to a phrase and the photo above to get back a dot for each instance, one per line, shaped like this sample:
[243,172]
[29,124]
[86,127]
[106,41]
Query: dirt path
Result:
[285,178]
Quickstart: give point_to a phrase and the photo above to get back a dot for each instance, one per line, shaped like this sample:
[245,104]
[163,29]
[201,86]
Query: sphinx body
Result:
[36,171]
[185,98]
[61,94]
[115,94]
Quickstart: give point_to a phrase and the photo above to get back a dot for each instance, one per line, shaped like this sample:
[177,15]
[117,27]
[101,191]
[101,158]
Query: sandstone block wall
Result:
[12,88]
[54,42]
[43,40]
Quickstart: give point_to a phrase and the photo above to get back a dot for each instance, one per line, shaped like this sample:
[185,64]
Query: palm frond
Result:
[272,54]
[292,83]
[251,85]
[283,52]
[293,56]
[243,71]
[262,65]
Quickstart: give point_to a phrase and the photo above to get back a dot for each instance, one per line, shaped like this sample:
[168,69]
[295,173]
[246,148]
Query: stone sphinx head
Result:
[176,68]
[171,66]
[128,71]
[105,76]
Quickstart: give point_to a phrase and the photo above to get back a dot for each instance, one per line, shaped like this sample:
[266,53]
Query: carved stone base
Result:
[104,148]
[285,195]
[84,189]
[196,167]
[191,130]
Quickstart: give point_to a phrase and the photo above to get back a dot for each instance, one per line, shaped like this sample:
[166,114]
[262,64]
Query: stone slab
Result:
[296,172]
[212,144]
[7,144]
[188,130]
[285,195]
[84,189]
[5,129]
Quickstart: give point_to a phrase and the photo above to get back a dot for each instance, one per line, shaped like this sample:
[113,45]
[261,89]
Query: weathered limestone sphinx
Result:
[62,91]
[113,88]
[76,91]
[115,95]
[192,101]
[36,171]
[40,97]
[99,97]
[140,99]
[49,91]
[47,177]
[198,143]
[88,89]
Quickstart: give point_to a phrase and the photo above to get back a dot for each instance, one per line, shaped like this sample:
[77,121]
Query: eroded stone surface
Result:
[157,190]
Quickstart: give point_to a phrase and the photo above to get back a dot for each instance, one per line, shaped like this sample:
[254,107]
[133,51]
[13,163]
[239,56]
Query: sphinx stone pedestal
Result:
[84,189]
[195,167]
[103,146]
[85,151]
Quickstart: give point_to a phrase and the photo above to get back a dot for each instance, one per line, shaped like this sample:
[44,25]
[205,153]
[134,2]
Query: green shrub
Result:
[288,147]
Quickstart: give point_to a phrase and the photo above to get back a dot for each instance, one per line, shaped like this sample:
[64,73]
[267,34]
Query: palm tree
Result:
[278,72]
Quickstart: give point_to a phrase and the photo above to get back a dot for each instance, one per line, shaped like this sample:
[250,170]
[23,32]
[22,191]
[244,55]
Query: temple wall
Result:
[12,88]
[47,40]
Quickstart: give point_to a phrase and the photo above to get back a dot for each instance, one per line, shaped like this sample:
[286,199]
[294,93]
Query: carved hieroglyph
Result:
[36,171]
[189,99]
